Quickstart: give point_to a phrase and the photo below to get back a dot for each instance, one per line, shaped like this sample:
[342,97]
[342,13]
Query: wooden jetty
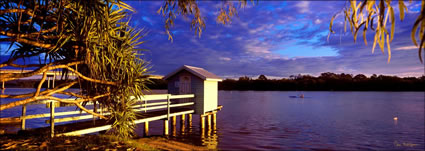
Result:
[193,91]
[151,108]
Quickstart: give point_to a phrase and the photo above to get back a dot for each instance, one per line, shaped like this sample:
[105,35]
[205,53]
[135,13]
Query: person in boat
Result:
[302,96]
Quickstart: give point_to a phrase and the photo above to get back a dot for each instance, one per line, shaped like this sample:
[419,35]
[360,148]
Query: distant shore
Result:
[324,82]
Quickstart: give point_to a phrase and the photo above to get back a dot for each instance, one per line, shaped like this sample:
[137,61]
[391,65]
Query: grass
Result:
[86,142]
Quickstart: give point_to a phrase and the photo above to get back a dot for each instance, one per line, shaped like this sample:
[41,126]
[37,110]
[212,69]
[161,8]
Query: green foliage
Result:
[123,117]
[90,39]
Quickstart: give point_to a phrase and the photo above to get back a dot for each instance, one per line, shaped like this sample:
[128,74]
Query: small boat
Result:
[294,96]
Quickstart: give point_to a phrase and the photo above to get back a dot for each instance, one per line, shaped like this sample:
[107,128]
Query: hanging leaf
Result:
[388,48]
[415,26]
[357,30]
[331,24]
[401,7]
[392,23]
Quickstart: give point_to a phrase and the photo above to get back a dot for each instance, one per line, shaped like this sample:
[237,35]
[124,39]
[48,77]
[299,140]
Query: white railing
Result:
[145,106]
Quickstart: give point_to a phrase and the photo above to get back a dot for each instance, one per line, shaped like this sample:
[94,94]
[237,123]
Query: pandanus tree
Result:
[90,39]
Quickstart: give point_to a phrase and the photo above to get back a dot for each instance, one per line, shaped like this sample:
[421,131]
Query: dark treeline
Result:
[327,82]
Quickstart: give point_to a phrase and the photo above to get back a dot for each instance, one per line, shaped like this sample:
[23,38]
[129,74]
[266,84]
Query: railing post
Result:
[146,105]
[48,82]
[95,111]
[52,118]
[168,107]
[53,81]
[24,111]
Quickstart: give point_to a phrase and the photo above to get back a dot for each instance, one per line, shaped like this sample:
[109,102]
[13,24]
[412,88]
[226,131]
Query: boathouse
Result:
[198,81]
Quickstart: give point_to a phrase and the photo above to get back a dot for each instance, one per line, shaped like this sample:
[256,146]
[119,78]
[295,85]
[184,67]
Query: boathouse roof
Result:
[199,72]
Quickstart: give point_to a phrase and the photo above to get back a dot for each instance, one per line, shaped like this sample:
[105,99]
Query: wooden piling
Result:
[209,121]
[202,133]
[52,119]
[165,127]
[190,120]
[214,121]
[182,127]
[2,85]
[174,120]
[182,123]
[183,118]
[24,112]
[146,128]
[214,116]
[202,121]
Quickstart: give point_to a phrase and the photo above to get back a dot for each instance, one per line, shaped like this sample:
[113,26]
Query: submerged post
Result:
[52,118]
[209,121]
[24,111]
[146,128]
[190,120]
[166,127]
[214,120]
[174,120]
[214,116]
[183,118]
[202,121]
[173,128]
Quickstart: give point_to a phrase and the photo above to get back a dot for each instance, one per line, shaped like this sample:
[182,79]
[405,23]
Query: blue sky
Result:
[274,38]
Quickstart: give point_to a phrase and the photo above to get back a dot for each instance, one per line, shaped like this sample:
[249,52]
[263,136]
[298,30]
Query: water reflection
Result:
[209,136]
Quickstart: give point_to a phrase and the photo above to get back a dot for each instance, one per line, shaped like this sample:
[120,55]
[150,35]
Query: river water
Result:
[273,120]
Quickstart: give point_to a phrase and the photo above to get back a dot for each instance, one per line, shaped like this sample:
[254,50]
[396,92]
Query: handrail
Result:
[137,108]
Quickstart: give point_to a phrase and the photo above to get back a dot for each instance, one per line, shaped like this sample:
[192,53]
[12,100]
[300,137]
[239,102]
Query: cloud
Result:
[407,47]
[317,21]
[225,58]
[303,6]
